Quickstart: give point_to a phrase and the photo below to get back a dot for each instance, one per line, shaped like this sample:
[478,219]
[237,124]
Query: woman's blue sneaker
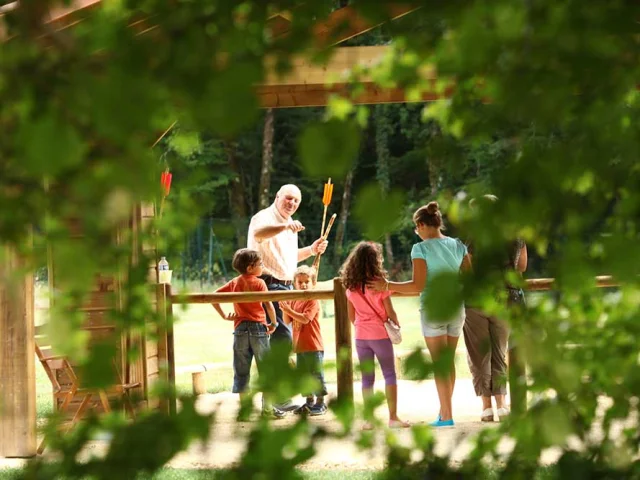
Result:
[442,423]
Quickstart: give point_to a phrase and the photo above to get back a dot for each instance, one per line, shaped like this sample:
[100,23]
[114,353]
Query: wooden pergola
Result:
[306,85]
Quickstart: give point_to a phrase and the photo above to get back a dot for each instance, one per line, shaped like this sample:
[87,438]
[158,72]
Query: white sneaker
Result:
[503,413]
[487,415]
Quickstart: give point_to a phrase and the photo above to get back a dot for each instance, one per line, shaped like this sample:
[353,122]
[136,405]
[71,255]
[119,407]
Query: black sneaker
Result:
[318,409]
[274,412]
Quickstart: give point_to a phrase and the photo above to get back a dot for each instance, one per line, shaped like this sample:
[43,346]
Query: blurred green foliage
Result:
[548,87]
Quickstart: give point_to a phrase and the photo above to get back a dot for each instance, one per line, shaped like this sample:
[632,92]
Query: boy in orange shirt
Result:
[251,330]
[307,339]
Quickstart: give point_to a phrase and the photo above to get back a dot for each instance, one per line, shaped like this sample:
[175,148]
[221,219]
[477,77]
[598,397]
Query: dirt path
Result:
[417,404]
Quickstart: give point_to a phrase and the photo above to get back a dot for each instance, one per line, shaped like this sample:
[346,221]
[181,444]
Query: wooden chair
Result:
[55,365]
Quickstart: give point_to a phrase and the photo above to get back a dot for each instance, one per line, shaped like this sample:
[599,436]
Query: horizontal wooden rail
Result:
[517,370]
[275,296]
[532,285]
[541,284]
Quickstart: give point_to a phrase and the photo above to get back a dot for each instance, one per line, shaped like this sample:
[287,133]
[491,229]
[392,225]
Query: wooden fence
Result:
[344,362]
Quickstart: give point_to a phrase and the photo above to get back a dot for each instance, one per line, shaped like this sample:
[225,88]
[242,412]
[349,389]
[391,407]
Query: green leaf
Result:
[328,149]
[230,103]
[443,299]
[50,146]
[339,107]
[376,211]
[186,143]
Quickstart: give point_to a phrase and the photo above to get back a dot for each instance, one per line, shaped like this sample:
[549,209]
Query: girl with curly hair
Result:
[368,311]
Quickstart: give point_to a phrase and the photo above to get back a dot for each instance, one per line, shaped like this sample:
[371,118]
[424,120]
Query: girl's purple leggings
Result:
[383,351]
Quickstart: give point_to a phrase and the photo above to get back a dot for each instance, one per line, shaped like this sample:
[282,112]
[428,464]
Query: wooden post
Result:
[344,351]
[171,358]
[17,360]
[199,385]
[517,382]
[166,359]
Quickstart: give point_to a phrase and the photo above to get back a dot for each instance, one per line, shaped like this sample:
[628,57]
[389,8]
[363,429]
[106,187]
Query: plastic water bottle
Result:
[164,274]
[163,264]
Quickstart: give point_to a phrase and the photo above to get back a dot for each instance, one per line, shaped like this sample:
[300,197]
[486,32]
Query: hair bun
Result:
[432,208]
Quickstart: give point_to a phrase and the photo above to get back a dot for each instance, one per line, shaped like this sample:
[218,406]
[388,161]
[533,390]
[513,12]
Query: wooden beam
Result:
[336,70]
[340,25]
[293,89]
[317,96]
[17,360]
[61,16]
[75,12]
[308,84]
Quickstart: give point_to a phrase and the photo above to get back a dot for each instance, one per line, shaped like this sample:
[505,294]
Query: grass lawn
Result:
[202,336]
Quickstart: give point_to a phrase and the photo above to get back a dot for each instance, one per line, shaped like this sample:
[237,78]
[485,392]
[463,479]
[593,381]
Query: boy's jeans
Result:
[249,339]
[310,363]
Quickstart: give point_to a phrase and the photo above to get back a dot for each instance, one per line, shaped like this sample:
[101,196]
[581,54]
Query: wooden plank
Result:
[153,367]
[101,300]
[17,361]
[288,97]
[152,349]
[344,353]
[319,294]
[336,69]
[541,284]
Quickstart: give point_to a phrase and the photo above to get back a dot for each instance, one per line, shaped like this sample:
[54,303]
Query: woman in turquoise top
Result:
[435,254]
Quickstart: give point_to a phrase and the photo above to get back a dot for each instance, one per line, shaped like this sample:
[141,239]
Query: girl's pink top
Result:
[370,313]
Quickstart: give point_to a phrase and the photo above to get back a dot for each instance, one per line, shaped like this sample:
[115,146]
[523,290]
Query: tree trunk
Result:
[388,248]
[344,215]
[267,160]
[237,196]
[383,130]
[433,177]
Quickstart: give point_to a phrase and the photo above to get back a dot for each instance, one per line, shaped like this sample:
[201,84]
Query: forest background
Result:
[233,178]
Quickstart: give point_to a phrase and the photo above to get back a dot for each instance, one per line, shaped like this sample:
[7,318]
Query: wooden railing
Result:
[344,362]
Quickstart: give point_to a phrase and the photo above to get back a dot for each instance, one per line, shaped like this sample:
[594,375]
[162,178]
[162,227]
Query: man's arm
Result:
[304,253]
[319,246]
[268,231]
